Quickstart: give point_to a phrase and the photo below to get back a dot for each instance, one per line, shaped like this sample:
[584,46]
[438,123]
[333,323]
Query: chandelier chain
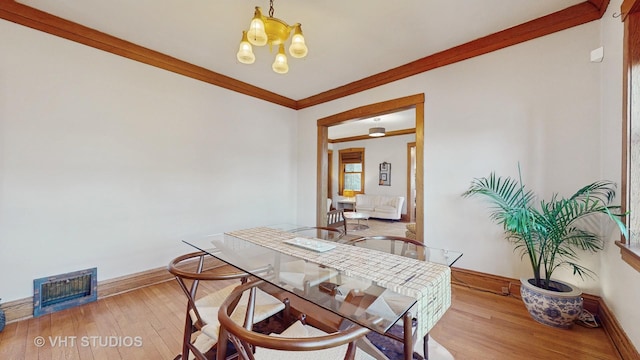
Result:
[270,8]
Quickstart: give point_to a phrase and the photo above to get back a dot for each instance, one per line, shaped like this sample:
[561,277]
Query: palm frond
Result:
[550,235]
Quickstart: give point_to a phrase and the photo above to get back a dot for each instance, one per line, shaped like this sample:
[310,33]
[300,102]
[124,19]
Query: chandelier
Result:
[275,32]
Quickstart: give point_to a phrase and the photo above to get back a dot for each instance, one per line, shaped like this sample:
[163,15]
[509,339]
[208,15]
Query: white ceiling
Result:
[348,39]
[400,120]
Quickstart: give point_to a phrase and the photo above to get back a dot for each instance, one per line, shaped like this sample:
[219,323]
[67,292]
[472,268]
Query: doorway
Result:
[329,176]
[386,107]
[411,181]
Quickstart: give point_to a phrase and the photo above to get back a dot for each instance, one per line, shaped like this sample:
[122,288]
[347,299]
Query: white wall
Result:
[619,281]
[541,103]
[535,103]
[108,162]
[392,149]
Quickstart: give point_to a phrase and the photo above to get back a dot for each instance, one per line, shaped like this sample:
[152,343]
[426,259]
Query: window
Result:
[353,177]
[630,250]
[351,170]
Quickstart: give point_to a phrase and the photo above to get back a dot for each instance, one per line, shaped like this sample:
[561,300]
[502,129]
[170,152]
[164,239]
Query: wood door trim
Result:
[367,137]
[376,109]
[410,205]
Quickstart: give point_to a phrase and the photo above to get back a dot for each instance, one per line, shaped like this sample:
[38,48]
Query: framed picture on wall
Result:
[384,179]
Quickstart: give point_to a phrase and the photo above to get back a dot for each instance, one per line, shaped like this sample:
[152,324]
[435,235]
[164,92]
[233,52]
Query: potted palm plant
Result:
[551,235]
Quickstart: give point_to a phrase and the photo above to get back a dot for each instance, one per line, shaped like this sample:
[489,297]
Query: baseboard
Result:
[18,309]
[511,287]
[23,308]
[122,284]
[616,333]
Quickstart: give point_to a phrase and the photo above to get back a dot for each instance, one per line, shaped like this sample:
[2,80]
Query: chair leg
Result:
[223,337]
[286,313]
[186,338]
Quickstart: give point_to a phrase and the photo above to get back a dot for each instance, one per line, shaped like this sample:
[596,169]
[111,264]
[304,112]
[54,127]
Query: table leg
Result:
[425,347]
[408,336]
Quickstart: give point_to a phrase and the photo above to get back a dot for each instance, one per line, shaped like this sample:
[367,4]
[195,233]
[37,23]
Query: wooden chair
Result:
[400,246]
[336,219]
[299,337]
[201,320]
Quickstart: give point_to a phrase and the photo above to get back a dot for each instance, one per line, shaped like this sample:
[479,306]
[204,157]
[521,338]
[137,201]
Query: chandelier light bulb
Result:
[298,48]
[257,34]
[280,64]
[245,52]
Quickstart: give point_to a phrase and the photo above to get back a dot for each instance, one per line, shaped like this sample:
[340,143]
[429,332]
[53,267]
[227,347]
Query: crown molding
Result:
[367,137]
[54,25]
[36,19]
[564,19]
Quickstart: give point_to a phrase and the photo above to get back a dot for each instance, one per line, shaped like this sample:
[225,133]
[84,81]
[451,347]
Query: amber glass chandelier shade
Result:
[280,65]
[257,34]
[245,52]
[298,48]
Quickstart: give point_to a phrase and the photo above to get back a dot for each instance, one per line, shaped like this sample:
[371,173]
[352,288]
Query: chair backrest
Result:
[336,219]
[245,340]
[320,232]
[394,245]
[195,267]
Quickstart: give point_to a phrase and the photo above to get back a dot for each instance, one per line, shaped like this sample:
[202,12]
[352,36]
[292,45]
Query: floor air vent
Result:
[59,292]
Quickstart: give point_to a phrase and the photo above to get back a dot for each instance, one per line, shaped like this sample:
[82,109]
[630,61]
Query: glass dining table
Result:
[366,282]
[391,244]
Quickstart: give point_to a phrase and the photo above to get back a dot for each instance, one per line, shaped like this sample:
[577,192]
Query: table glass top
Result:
[440,256]
[369,304]
[408,249]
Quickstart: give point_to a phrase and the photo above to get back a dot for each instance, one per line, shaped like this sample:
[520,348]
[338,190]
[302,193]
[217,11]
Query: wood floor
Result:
[147,324]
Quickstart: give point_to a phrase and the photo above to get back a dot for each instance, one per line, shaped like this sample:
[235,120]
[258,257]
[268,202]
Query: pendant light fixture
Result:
[275,32]
[377,131]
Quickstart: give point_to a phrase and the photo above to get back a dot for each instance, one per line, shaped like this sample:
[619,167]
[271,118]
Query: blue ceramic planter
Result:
[3,320]
[554,308]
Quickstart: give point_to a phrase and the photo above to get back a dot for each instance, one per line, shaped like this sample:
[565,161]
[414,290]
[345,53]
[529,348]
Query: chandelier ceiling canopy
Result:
[275,32]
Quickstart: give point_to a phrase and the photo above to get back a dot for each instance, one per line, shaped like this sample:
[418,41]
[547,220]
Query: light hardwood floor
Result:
[378,227]
[147,324]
